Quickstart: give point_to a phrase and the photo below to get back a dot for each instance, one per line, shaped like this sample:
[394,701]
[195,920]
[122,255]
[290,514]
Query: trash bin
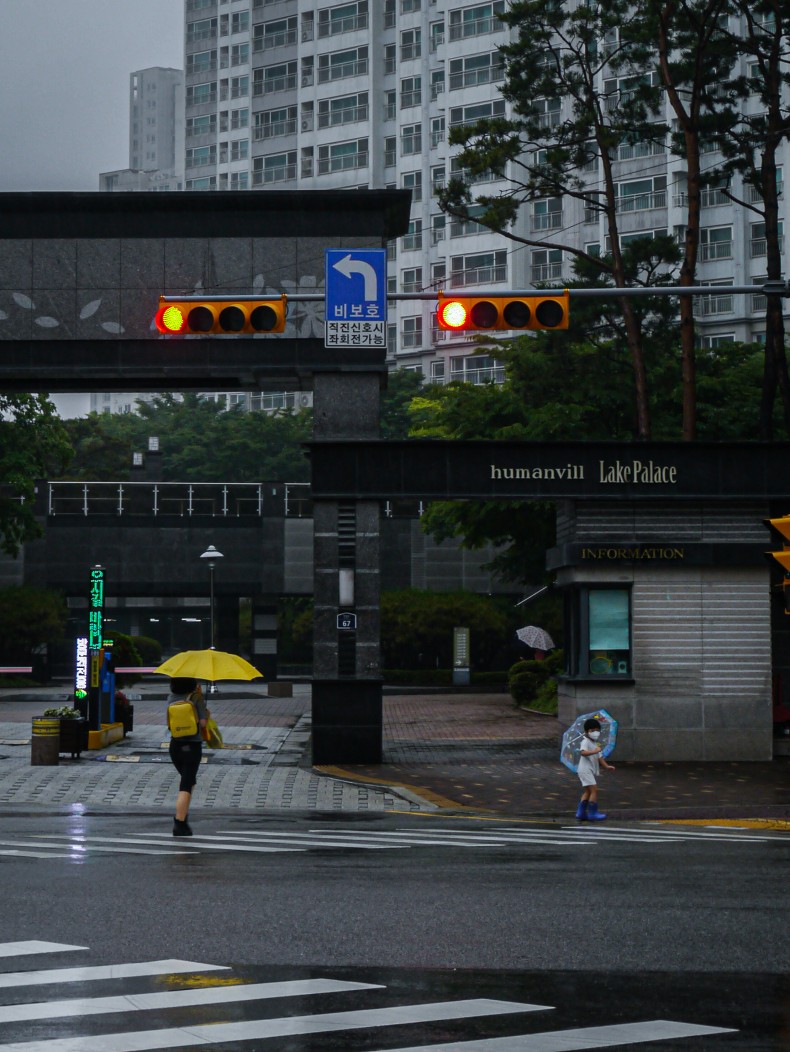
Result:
[45,742]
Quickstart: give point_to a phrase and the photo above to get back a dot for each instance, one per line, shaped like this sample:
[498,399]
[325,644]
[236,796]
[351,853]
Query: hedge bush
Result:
[533,684]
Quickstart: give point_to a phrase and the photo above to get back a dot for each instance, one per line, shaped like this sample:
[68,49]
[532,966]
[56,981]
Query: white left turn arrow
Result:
[348,266]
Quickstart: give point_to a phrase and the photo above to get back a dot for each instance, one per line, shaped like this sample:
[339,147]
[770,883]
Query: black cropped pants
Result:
[186,756]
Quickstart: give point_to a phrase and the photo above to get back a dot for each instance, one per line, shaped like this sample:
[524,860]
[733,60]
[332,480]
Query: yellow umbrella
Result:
[211,665]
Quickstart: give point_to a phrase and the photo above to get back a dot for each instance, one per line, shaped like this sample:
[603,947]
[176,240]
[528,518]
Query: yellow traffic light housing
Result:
[782,527]
[221,316]
[502,312]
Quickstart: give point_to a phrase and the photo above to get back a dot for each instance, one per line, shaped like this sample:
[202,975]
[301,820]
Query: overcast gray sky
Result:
[64,85]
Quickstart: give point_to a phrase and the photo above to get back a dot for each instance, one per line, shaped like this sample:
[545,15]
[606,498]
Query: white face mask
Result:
[594,735]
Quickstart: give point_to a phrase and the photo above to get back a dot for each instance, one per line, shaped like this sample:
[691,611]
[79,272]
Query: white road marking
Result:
[588,1037]
[263,1029]
[91,840]
[77,842]
[395,839]
[211,995]
[301,839]
[45,977]
[28,946]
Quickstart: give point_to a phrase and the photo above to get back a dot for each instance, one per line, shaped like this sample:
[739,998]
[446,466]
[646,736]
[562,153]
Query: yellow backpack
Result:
[182,721]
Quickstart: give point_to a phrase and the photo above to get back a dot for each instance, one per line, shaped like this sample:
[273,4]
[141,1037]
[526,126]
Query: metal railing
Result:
[181,499]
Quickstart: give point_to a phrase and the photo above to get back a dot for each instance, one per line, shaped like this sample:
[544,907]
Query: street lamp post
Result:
[212,555]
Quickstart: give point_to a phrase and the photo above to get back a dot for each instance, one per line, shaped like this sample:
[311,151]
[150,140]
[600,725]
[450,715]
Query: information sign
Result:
[356,298]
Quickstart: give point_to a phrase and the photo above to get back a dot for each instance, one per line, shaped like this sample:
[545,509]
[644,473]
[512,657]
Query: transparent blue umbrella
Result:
[571,739]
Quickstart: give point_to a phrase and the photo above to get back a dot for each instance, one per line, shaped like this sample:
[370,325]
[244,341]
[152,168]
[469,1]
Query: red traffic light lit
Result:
[209,316]
[502,312]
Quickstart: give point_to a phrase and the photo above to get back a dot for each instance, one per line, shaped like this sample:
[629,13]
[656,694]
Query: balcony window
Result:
[413,181]
[201,156]
[199,94]
[390,152]
[347,18]
[205,125]
[476,21]
[411,280]
[343,156]
[758,245]
[478,112]
[204,29]
[410,45]
[411,139]
[480,268]
[641,194]
[342,64]
[201,62]
[411,333]
[240,22]
[476,69]
[412,241]
[277,168]
[275,34]
[270,79]
[715,243]
[347,110]
[545,265]
[390,58]
[546,214]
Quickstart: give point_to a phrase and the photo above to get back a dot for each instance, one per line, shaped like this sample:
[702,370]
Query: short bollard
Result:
[45,742]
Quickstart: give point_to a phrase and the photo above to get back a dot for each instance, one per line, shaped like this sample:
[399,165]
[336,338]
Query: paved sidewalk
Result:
[460,752]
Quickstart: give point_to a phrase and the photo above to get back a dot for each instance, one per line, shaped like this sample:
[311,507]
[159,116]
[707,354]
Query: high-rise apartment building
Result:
[156,133]
[363,94]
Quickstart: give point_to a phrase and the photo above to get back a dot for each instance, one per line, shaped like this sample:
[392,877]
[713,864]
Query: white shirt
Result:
[589,763]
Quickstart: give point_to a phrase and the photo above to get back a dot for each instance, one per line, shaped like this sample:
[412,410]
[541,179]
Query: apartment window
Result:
[271,123]
[239,54]
[276,168]
[547,112]
[438,273]
[347,18]
[437,228]
[624,89]
[719,339]
[353,63]
[437,131]
[758,246]
[600,632]
[201,62]
[201,156]
[346,110]
[204,29]
[479,268]
[476,69]
[436,35]
[206,183]
[413,181]
[240,118]
[479,369]
[240,149]
[269,79]
[239,87]
[408,7]
[475,21]
[437,372]
[545,265]
[274,34]
[480,111]
[639,194]
[240,22]
[411,139]
[410,92]
[205,125]
[411,280]
[716,304]
[464,227]
[199,5]
[411,332]
[412,240]
[198,94]
[390,13]
[343,156]
[390,151]
[239,181]
[715,243]
[457,171]
[410,44]
[437,179]
[390,58]
[390,105]
[547,214]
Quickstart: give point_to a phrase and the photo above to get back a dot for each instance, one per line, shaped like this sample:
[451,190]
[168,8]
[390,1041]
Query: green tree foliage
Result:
[402,386]
[33,445]
[417,628]
[29,617]
[199,441]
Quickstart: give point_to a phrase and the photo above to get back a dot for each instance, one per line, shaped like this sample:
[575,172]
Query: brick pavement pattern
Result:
[463,752]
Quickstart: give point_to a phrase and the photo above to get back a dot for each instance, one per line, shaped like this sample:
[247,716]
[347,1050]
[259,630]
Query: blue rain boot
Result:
[594,815]
[581,810]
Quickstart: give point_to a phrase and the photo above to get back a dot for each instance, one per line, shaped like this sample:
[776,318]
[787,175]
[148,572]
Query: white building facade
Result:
[363,94]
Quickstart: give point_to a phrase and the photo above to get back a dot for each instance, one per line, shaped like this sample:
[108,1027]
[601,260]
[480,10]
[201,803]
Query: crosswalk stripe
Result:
[588,1037]
[302,839]
[90,840]
[19,853]
[288,1026]
[397,839]
[28,946]
[214,995]
[76,841]
[667,834]
[45,977]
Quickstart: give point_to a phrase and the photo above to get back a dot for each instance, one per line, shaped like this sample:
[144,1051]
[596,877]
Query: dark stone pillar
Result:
[346,662]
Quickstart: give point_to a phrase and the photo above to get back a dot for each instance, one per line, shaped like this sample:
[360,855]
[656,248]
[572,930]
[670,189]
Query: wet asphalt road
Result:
[592,929]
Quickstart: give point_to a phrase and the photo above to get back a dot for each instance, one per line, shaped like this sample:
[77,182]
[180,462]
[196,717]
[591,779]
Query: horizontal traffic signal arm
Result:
[220,315]
[502,312]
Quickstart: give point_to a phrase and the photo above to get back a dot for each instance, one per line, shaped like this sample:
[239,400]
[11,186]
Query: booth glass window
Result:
[600,631]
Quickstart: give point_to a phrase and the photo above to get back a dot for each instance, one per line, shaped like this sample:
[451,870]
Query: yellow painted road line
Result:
[426,794]
[779,824]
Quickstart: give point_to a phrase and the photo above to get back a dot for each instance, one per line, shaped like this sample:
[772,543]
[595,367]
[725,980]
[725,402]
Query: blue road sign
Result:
[356,298]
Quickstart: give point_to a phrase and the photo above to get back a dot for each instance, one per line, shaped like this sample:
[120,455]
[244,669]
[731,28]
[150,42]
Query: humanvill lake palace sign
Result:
[445,470]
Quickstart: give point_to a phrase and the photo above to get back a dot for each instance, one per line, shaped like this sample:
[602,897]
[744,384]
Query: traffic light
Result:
[502,312]
[220,316]
[782,527]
